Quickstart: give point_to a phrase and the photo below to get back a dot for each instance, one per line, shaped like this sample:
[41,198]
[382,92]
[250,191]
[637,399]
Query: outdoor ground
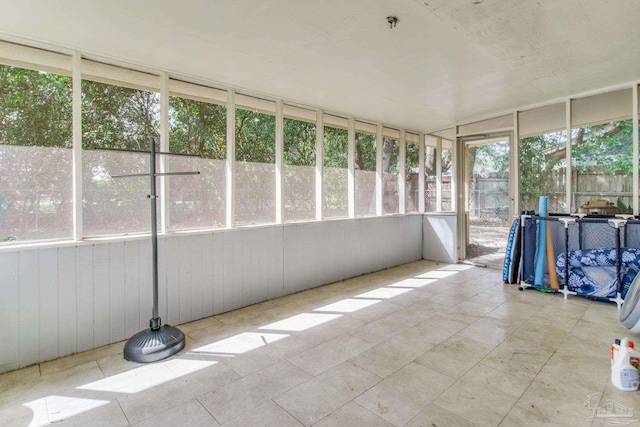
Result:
[487,241]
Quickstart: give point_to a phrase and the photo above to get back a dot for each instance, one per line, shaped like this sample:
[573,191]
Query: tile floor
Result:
[422,344]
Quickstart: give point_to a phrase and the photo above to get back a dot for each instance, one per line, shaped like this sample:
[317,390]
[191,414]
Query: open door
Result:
[487,207]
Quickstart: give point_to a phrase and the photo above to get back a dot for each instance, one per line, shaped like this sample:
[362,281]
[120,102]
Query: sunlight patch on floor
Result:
[145,377]
[412,283]
[348,305]
[241,343]
[384,293]
[301,322]
[53,409]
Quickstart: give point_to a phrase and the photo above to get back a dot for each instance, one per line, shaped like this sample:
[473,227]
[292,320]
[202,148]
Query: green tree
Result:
[299,143]
[35,155]
[198,128]
[255,137]
[605,149]
[299,169]
[118,117]
[35,108]
[538,167]
[335,171]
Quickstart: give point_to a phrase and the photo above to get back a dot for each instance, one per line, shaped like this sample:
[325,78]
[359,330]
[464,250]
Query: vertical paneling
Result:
[48,305]
[333,246]
[146,286]
[313,238]
[232,268]
[104,293]
[29,307]
[275,260]
[263,291]
[241,255]
[132,287]
[292,255]
[366,237]
[196,264]
[207,274]
[412,245]
[9,312]
[67,297]
[163,268]
[112,296]
[219,268]
[303,256]
[250,244]
[173,280]
[183,258]
[439,236]
[348,241]
[84,277]
[61,300]
[253,254]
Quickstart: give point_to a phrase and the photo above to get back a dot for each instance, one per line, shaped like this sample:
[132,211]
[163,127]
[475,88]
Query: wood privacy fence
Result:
[490,195]
[587,187]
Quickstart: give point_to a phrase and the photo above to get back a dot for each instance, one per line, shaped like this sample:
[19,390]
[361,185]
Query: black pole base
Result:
[153,345]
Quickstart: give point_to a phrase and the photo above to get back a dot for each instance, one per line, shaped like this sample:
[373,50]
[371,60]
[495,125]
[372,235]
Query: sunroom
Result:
[303,149]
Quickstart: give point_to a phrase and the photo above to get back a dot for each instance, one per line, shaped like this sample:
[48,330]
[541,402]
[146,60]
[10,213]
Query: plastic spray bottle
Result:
[623,374]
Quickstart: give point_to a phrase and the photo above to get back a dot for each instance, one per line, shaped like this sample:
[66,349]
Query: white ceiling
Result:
[447,62]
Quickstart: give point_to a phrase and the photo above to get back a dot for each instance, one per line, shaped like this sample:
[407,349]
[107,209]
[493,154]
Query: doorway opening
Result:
[487,199]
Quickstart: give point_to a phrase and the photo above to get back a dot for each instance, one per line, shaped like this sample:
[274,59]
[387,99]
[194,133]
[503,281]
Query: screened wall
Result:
[592,171]
[71,126]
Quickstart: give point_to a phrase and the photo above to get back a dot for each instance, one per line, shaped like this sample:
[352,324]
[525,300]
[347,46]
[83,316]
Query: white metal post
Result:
[636,184]
[279,162]
[319,162]
[351,175]
[457,175]
[231,158]
[421,174]
[76,152]
[459,193]
[164,147]
[402,173]
[568,171]
[514,175]
[379,181]
[438,156]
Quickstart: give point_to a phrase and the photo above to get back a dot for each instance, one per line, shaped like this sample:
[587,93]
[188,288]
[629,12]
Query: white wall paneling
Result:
[217,261]
[120,313]
[145,294]
[49,304]
[84,297]
[67,301]
[108,287]
[440,238]
[133,287]
[196,267]
[29,311]
[183,258]
[9,312]
[62,300]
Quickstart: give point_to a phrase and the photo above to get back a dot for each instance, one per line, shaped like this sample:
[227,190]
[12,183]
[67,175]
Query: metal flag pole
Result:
[159,341]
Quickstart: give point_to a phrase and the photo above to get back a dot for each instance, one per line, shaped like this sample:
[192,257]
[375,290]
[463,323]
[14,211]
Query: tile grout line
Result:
[197,399]
[555,350]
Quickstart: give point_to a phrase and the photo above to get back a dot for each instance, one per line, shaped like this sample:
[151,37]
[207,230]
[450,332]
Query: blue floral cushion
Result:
[592,272]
